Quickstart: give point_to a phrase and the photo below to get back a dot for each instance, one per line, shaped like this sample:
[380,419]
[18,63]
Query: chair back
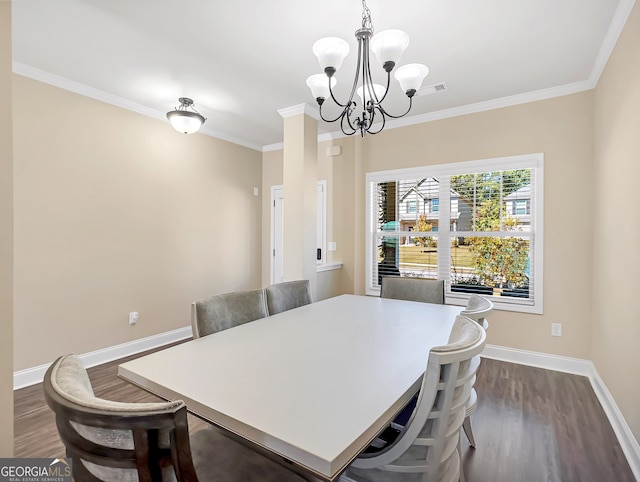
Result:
[287,295]
[225,311]
[412,289]
[428,443]
[478,309]
[110,440]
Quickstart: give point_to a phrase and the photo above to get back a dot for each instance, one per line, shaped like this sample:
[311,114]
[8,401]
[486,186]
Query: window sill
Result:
[328,267]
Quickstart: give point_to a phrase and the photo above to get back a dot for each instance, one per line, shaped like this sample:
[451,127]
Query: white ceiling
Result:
[243,60]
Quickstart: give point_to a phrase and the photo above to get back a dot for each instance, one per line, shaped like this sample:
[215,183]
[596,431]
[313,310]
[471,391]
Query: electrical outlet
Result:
[133,317]
[556,329]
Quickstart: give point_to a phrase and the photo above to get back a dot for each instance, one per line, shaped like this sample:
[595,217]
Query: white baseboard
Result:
[585,368]
[628,442]
[31,376]
[558,363]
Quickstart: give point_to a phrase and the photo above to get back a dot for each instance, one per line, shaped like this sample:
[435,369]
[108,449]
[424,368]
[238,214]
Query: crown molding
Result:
[493,104]
[305,109]
[102,96]
[615,29]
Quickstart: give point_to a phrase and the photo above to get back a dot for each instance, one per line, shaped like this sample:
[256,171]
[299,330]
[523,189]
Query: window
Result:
[521,207]
[480,230]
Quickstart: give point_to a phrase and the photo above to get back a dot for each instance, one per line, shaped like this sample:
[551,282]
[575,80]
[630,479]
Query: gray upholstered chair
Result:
[225,311]
[426,448]
[287,295]
[412,289]
[478,309]
[146,442]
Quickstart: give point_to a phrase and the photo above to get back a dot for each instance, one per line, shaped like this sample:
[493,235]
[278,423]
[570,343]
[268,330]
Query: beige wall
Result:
[6,235]
[616,330]
[562,129]
[116,212]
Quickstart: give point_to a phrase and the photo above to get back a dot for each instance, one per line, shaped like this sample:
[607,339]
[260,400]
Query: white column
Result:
[300,162]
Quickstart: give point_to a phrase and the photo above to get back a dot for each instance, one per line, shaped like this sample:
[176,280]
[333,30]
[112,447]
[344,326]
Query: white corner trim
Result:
[585,368]
[31,376]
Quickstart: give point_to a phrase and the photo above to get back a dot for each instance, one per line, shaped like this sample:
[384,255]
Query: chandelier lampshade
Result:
[387,47]
[185,118]
[410,77]
[320,87]
[372,92]
[330,51]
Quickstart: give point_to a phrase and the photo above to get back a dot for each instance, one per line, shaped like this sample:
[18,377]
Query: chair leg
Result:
[469,432]
[461,473]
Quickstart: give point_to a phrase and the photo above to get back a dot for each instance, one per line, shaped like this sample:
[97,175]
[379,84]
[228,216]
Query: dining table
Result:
[313,385]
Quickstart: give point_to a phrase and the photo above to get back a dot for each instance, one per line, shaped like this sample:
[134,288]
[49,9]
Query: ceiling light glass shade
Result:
[378,89]
[184,120]
[319,85]
[411,76]
[330,51]
[388,46]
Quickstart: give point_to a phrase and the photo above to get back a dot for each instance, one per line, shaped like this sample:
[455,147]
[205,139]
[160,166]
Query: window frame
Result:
[443,172]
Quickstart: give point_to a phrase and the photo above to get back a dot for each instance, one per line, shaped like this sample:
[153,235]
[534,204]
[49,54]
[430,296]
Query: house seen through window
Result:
[477,225]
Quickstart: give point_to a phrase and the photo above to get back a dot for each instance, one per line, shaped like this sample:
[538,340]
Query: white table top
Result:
[314,384]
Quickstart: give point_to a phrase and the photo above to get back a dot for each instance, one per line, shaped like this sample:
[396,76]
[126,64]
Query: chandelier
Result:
[387,46]
[185,118]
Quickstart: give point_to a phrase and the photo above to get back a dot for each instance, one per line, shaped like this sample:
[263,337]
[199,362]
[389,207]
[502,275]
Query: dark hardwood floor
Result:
[531,425]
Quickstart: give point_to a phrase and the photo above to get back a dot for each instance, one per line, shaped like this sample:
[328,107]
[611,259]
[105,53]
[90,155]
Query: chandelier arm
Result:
[386,90]
[357,76]
[342,113]
[344,106]
[355,81]
[351,128]
[384,121]
[367,89]
[350,124]
[368,80]
[397,116]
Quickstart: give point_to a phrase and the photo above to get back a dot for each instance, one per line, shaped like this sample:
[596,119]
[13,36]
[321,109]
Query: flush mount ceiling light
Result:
[185,118]
[387,46]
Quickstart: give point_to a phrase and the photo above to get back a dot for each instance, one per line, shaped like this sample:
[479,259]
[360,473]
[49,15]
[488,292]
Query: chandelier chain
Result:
[366,17]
